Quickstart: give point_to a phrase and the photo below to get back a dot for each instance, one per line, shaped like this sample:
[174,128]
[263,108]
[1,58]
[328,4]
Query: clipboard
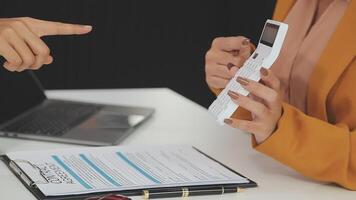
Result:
[147,193]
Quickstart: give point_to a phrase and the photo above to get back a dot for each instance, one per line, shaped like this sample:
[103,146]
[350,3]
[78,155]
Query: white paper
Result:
[88,170]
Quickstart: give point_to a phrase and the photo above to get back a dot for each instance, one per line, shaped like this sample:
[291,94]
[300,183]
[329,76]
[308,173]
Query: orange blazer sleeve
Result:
[315,148]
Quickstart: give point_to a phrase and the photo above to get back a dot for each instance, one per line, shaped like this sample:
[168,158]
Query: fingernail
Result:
[242,81]
[87,27]
[264,71]
[233,95]
[245,42]
[228,121]
[230,65]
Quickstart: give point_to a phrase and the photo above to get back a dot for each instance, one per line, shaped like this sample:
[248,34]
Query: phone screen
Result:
[269,34]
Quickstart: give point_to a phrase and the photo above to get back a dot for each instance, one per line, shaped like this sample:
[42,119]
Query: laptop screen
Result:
[18,93]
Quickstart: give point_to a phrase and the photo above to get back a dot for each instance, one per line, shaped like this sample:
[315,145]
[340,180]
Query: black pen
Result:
[186,192]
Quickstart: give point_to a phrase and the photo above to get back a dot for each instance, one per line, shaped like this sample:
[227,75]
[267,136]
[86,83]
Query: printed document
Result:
[99,169]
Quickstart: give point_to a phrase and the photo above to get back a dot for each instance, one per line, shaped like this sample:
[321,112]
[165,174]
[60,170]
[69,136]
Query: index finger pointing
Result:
[58,28]
[45,28]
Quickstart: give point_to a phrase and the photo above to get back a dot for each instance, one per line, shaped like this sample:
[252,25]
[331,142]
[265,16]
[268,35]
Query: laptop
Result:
[26,112]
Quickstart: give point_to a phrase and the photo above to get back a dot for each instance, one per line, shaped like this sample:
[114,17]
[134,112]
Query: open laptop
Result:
[26,112]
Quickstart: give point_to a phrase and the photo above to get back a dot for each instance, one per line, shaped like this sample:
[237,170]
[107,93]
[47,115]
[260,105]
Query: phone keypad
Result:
[223,107]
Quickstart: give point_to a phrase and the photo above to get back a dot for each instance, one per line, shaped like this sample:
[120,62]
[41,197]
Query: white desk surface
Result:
[180,121]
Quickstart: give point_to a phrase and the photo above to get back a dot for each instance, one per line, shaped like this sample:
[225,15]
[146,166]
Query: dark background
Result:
[140,43]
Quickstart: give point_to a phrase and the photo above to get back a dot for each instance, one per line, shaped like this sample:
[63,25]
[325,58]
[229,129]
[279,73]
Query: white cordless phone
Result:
[266,53]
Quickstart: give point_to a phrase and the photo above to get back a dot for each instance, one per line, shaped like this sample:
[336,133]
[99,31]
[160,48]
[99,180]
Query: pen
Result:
[186,192]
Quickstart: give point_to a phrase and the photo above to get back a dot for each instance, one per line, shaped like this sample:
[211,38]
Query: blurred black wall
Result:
[140,43]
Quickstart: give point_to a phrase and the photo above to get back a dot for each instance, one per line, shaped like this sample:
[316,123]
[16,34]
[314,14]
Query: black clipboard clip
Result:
[14,165]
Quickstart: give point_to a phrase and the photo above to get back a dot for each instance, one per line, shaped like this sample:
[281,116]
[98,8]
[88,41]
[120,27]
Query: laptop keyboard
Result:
[53,119]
